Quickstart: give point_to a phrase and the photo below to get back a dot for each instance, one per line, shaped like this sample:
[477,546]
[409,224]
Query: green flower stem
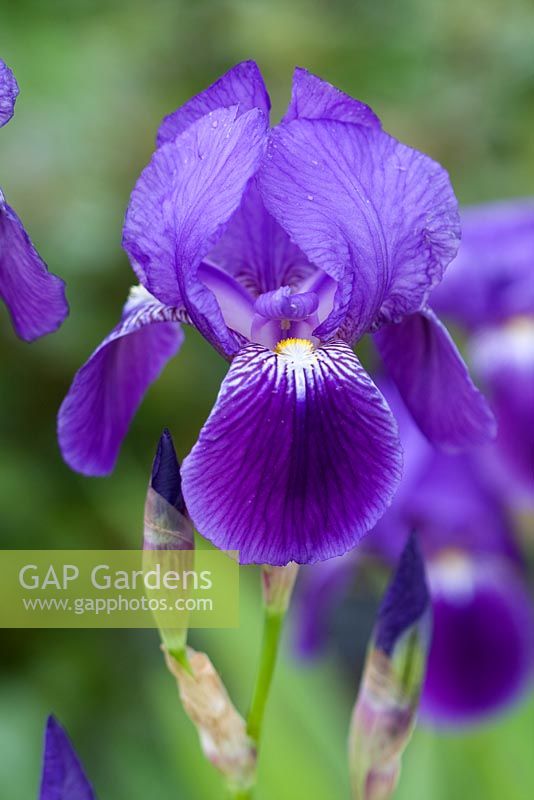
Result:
[240,794]
[272,629]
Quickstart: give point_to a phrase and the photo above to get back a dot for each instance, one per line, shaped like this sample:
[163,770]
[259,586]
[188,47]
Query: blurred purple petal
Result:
[35,298]
[406,599]
[62,777]
[504,360]
[446,498]
[179,208]
[482,653]
[107,390]
[8,93]
[313,425]
[321,588]
[314,98]
[375,215]
[434,382]
[241,86]
[491,278]
[257,251]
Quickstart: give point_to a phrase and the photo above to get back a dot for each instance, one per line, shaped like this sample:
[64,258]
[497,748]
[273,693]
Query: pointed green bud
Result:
[384,715]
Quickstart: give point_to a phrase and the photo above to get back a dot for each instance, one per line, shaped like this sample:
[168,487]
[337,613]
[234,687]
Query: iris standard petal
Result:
[107,390]
[314,98]
[503,357]
[35,298]
[377,216]
[434,382]
[490,280]
[241,86]
[298,459]
[482,653]
[62,777]
[257,251]
[8,93]
[179,208]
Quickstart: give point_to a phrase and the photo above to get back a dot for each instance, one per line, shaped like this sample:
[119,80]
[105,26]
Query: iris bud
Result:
[221,729]
[168,531]
[385,712]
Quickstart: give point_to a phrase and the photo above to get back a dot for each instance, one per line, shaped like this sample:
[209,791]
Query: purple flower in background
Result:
[490,280]
[504,359]
[482,652]
[62,777]
[489,290]
[284,247]
[35,298]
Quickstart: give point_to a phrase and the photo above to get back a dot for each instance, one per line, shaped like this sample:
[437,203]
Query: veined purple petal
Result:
[314,98]
[241,86]
[9,90]
[258,252]
[504,359]
[406,599]
[106,392]
[35,298]
[434,382]
[377,216]
[298,458]
[179,208]
[490,280]
[62,777]
[482,653]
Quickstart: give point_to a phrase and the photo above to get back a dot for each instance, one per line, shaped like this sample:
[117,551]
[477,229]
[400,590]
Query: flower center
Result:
[299,351]
[280,314]
[294,347]
[287,307]
[452,572]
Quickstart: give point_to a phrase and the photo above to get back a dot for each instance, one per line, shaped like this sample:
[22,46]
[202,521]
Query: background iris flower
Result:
[489,291]
[34,297]
[482,651]
[284,247]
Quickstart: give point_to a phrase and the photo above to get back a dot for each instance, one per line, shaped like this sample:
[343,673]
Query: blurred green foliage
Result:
[455,79]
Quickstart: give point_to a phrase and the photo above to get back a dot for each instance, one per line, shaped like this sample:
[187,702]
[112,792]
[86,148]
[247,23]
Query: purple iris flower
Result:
[482,652]
[489,291]
[490,280]
[283,247]
[62,777]
[35,298]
